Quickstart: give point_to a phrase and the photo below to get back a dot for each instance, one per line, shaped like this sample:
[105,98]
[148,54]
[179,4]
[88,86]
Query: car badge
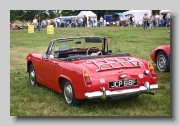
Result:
[102,80]
[140,75]
[123,76]
[120,71]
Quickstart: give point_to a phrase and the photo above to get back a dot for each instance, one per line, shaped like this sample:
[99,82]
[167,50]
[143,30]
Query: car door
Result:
[49,71]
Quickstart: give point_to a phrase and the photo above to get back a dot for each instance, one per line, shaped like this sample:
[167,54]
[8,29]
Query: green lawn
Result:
[26,100]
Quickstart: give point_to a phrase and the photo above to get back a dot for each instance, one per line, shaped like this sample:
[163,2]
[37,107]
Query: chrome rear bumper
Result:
[106,93]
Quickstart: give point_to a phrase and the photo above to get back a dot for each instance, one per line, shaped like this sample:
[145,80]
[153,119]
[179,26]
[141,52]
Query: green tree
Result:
[155,11]
[52,14]
[13,15]
[70,12]
[28,15]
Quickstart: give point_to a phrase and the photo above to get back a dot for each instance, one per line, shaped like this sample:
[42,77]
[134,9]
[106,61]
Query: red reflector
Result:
[87,80]
[86,77]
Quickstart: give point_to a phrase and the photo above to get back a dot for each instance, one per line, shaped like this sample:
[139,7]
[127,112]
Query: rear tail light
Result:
[151,67]
[86,77]
[152,71]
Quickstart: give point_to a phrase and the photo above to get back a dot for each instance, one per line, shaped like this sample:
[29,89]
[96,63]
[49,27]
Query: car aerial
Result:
[161,57]
[90,72]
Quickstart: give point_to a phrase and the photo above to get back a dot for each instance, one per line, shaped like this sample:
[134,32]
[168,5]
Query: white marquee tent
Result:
[138,14]
[87,14]
[163,11]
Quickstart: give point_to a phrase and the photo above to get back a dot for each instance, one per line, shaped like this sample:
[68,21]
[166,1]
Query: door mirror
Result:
[44,56]
[51,56]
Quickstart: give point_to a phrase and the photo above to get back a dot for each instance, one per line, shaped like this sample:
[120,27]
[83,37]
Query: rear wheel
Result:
[161,62]
[68,94]
[32,76]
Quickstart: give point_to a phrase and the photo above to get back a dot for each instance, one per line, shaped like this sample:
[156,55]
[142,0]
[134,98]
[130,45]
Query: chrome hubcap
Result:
[68,92]
[161,63]
[32,77]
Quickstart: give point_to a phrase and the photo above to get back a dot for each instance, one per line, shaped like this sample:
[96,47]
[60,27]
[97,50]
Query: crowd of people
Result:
[128,20]
[80,22]
[162,20]
[68,23]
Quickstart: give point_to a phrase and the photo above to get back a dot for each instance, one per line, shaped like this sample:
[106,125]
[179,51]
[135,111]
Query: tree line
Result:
[28,15]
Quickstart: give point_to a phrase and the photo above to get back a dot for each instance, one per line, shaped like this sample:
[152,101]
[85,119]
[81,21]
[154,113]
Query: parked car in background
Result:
[90,72]
[161,57]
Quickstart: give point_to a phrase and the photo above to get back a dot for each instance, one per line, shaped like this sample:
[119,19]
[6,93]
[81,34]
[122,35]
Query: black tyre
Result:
[32,76]
[161,62]
[68,94]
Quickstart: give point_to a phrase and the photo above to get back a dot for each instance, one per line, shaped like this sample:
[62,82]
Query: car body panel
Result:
[163,64]
[107,72]
[165,48]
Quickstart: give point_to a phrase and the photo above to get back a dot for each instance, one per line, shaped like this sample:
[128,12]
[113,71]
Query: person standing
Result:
[164,17]
[157,19]
[134,21]
[161,20]
[101,21]
[145,20]
[131,20]
[69,25]
[126,20]
[39,23]
[89,21]
[168,20]
[95,23]
[117,22]
[84,21]
[92,21]
[58,23]
[35,22]
[49,22]
[81,21]
[10,26]
[76,22]
[72,22]
[151,21]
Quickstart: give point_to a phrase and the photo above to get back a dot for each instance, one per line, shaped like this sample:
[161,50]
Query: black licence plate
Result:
[123,83]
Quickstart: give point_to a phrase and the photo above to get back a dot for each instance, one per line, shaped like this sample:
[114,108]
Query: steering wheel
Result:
[93,48]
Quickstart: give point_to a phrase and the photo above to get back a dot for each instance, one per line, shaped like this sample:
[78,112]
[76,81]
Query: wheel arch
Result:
[159,50]
[62,78]
[28,64]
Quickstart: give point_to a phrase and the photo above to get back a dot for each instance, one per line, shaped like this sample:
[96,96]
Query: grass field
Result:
[26,100]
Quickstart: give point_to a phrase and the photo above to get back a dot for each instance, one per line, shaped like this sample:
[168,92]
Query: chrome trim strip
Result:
[107,93]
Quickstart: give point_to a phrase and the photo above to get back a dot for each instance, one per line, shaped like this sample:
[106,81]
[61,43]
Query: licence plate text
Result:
[123,83]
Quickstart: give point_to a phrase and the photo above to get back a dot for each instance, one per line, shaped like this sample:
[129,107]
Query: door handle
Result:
[54,63]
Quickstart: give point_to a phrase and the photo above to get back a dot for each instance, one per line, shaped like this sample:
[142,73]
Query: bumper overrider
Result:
[103,94]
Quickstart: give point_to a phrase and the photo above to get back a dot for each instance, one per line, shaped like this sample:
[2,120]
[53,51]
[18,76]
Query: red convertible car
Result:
[161,57]
[90,73]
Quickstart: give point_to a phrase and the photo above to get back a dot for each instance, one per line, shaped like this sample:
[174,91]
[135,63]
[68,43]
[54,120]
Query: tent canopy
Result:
[120,14]
[87,14]
[137,11]
[113,17]
[138,14]
[164,11]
